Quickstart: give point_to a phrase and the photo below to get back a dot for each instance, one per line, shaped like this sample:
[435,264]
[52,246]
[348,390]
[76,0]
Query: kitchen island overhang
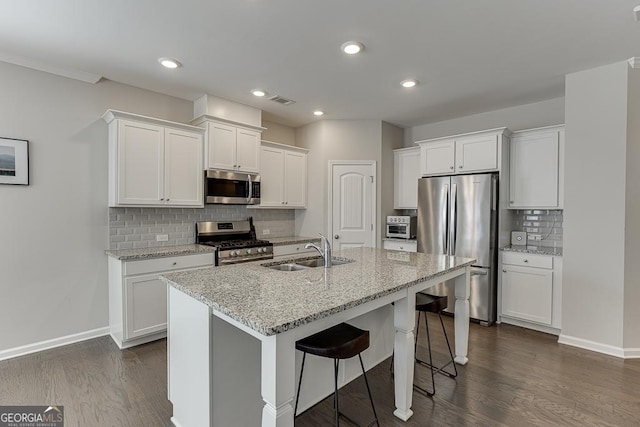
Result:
[277,308]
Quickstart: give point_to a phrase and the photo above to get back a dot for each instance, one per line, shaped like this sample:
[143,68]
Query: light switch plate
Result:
[518,238]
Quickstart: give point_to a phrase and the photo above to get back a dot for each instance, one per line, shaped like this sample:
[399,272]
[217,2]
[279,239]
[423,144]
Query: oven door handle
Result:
[250,192]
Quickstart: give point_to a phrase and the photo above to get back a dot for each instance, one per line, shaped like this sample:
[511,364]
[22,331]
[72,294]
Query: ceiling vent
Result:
[280,100]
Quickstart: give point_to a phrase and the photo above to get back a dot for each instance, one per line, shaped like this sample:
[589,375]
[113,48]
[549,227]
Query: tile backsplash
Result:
[547,223]
[137,227]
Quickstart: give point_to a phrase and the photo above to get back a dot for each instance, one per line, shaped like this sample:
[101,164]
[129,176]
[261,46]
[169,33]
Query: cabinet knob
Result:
[460,166]
[450,167]
[162,200]
[525,260]
[286,203]
[337,236]
[504,271]
[239,166]
[168,200]
[175,263]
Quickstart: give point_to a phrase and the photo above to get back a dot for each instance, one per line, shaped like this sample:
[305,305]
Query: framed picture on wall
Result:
[14,161]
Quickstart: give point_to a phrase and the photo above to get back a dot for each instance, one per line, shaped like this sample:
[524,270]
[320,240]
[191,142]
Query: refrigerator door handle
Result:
[478,271]
[445,218]
[454,219]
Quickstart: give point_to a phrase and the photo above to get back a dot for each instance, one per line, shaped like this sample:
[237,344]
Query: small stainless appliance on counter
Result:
[231,188]
[401,226]
[235,240]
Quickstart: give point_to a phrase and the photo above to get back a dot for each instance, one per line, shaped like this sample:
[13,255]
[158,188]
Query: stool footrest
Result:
[438,370]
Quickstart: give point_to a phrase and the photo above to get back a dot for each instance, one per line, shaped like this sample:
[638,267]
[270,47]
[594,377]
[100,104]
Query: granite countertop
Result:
[537,250]
[272,301]
[162,251]
[291,240]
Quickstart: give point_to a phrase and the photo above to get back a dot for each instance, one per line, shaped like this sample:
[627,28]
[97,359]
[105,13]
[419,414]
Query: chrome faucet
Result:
[324,253]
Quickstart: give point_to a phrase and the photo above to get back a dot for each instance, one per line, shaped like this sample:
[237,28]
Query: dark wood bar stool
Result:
[426,303]
[342,341]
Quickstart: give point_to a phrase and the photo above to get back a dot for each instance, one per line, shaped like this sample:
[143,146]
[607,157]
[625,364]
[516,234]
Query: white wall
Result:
[594,214]
[53,233]
[632,214]
[333,140]
[544,113]
[392,138]
[276,132]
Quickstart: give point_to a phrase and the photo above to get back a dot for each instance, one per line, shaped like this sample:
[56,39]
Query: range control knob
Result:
[249,251]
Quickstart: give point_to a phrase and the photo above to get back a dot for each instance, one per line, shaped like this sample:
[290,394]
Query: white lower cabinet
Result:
[400,245]
[531,291]
[138,299]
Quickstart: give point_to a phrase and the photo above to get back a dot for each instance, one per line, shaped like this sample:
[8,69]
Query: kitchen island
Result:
[232,330]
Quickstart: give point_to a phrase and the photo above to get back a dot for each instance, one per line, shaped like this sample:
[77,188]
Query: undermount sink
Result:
[304,264]
[319,262]
[288,267]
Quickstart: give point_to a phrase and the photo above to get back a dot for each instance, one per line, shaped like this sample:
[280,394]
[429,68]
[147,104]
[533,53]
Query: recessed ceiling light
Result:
[409,83]
[258,92]
[352,47]
[318,113]
[169,62]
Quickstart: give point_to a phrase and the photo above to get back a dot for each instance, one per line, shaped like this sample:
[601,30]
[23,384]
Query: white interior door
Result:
[352,204]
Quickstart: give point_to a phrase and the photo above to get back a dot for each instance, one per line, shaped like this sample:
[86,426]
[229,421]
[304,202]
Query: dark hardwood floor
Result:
[515,377]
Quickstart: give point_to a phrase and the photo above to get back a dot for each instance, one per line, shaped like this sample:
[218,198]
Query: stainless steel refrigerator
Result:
[457,215]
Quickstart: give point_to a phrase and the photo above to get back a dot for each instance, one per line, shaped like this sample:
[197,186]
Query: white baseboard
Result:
[52,343]
[632,353]
[596,346]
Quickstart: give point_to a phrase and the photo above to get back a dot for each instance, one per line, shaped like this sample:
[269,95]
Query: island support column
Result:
[404,319]
[461,319]
[278,380]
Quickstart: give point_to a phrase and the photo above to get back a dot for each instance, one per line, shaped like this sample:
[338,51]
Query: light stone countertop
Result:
[159,252]
[536,250]
[271,301]
[290,240]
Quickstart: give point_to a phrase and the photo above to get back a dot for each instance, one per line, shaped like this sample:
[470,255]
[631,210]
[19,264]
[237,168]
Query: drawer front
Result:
[527,260]
[408,246]
[291,249]
[168,264]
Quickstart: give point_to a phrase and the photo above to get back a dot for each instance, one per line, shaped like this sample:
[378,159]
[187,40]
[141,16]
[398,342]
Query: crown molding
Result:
[41,66]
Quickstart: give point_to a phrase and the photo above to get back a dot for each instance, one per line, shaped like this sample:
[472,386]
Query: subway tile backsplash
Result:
[137,227]
[547,223]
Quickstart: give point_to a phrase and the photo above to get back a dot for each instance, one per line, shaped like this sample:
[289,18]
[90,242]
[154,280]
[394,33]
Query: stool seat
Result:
[342,341]
[430,303]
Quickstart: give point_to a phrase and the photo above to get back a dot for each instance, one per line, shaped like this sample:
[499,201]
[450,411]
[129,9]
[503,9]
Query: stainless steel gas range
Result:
[235,240]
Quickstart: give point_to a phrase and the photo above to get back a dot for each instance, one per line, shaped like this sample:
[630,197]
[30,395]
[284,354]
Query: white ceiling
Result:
[469,55]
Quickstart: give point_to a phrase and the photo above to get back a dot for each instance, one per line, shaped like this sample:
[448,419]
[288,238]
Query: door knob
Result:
[336,237]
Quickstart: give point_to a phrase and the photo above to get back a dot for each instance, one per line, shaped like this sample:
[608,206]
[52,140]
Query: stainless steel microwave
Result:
[231,188]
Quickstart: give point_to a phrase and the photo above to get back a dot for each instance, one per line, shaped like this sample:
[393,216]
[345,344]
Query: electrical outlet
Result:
[162,237]
[266,231]
[534,236]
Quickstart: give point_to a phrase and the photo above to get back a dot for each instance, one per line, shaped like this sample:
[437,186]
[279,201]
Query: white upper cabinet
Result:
[231,146]
[406,172]
[183,182]
[153,162]
[536,168]
[283,176]
[472,152]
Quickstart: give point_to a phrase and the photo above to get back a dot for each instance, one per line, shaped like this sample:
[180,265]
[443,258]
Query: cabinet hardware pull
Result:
[504,271]
[525,260]
[175,263]
[162,200]
[460,166]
